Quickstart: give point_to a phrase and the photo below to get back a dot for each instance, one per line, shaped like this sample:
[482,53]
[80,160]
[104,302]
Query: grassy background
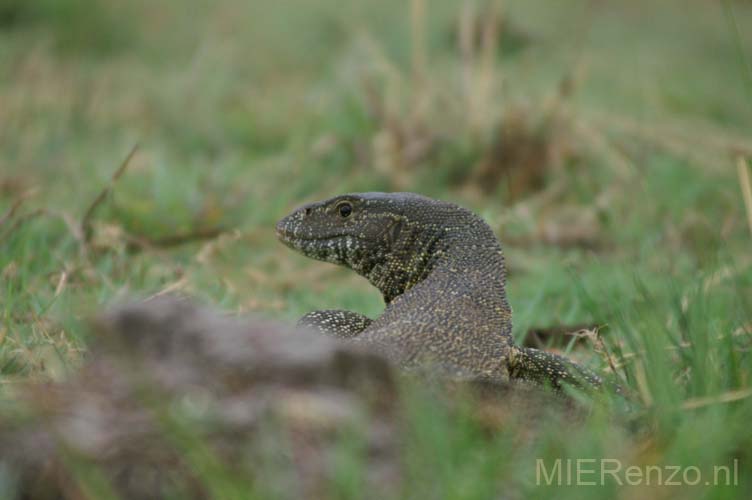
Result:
[599,139]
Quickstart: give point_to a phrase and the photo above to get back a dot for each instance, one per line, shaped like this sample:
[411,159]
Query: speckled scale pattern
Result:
[440,269]
[338,322]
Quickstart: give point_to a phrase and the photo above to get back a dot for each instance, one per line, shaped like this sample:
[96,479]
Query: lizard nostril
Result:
[307,211]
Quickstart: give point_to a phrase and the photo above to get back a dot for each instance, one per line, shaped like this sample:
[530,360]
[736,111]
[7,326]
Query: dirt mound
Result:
[166,375]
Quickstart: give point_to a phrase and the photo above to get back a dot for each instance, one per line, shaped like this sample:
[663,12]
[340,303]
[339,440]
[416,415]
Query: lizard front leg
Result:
[336,322]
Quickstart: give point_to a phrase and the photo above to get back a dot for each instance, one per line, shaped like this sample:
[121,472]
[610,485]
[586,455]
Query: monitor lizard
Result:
[440,269]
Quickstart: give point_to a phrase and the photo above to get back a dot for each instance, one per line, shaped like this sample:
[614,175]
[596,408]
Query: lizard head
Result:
[343,229]
[378,235]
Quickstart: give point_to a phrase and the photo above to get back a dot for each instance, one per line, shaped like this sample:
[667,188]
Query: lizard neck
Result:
[410,258]
[466,251]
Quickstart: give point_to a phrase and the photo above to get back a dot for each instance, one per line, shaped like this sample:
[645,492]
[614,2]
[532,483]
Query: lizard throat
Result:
[403,266]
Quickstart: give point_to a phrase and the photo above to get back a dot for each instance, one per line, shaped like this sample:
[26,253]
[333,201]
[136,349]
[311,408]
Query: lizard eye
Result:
[344,209]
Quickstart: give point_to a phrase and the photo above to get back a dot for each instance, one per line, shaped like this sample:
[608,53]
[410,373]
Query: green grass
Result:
[243,110]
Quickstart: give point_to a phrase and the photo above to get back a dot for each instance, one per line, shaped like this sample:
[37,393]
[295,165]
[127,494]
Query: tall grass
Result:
[635,222]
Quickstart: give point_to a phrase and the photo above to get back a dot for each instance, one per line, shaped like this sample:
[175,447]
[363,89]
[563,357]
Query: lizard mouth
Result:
[290,237]
[285,234]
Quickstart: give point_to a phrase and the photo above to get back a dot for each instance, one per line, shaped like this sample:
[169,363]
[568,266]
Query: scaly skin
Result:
[441,272]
